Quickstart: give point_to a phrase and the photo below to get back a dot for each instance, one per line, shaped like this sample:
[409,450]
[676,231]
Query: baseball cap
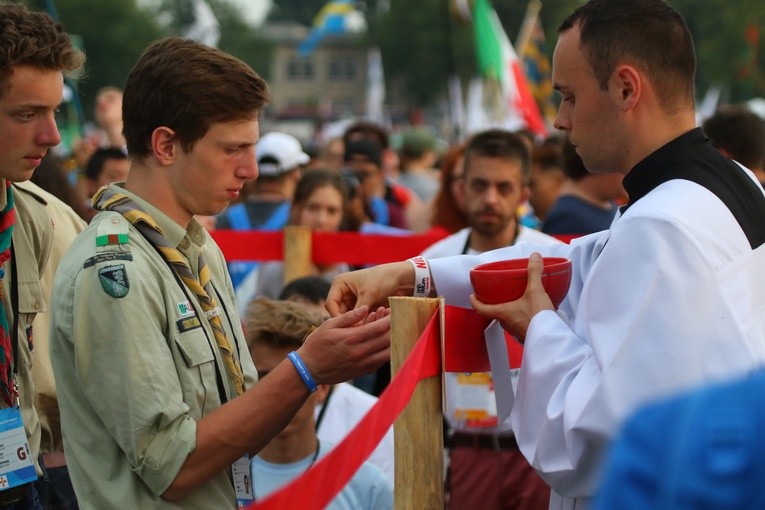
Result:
[281,152]
[416,141]
[365,147]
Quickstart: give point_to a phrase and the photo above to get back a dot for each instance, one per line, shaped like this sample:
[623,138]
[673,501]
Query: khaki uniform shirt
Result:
[66,225]
[135,373]
[32,237]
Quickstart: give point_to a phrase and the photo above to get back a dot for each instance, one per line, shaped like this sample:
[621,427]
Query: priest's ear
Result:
[627,83]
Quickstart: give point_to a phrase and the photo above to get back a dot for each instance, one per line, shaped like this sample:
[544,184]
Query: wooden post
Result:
[418,431]
[297,252]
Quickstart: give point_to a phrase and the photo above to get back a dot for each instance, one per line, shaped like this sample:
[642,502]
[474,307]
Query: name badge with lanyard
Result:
[16,466]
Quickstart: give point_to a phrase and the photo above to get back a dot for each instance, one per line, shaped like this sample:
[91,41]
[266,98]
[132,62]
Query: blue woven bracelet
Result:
[302,370]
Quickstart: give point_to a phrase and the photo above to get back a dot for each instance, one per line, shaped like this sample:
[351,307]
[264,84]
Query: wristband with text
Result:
[302,370]
[422,282]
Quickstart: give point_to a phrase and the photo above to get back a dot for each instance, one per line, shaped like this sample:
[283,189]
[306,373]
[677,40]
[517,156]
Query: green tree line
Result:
[422,42]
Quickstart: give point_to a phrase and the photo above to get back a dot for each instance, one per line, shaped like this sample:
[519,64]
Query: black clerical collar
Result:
[692,158]
[650,172]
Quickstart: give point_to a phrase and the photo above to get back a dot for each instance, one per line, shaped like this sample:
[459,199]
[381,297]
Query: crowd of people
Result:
[152,372]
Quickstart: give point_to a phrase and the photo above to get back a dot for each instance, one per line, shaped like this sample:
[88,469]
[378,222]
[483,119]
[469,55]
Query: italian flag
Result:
[499,65]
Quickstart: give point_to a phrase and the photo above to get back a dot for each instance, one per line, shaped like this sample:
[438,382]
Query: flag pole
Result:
[527,27]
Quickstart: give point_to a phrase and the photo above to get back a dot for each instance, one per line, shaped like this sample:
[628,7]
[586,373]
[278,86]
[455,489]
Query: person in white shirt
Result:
[343,405]
[273,329]
[486,468]
[669,297]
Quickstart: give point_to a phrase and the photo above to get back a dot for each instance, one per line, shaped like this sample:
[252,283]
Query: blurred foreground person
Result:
[274,330]
[701,450]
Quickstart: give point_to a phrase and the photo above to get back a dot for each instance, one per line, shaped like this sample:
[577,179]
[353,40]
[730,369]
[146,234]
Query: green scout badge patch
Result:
[114,280]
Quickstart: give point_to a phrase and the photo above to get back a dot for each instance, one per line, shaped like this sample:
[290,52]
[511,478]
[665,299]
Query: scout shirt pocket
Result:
[31,303]
[192,342]
[199,375]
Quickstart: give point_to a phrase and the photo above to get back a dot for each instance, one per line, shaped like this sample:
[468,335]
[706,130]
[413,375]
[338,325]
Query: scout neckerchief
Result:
[7,219]
[109,199]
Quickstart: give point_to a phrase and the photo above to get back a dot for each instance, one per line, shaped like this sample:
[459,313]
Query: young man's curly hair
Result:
[279,324]
[33,39]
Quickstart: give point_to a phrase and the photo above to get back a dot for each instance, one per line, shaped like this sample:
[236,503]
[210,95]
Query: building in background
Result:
[329,82]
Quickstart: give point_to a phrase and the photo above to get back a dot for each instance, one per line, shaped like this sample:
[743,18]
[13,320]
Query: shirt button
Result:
[37,306]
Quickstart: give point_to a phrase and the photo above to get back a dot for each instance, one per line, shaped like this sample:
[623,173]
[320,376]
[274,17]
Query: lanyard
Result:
[15,325]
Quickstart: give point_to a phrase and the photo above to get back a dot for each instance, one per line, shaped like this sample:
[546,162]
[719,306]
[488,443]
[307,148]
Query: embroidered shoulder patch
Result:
[109,256]
[114,280]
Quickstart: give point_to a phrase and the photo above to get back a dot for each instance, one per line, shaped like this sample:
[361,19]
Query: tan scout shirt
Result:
[32,237]
[66,225]
[134,373]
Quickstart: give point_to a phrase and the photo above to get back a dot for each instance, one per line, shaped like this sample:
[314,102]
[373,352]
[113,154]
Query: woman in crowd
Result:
[320,202]
[447,206]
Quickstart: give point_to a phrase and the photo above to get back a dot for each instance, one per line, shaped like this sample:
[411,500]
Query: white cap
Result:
[285,149]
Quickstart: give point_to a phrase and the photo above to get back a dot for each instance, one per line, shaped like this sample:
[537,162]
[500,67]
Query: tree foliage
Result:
[240,39]
[300,11]
[113,35]
[418,54]
[421,48]
[236,36]
[422,43]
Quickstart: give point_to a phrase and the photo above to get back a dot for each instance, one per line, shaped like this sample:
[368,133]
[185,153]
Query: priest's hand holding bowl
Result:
[508,292]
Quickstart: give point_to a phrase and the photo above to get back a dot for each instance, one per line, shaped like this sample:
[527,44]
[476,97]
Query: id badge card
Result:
[16,466]
[475,402]
[240,471]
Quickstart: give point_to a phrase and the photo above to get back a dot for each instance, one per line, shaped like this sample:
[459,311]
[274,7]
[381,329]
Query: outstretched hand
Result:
[515,316]
[369,287]
[352,344]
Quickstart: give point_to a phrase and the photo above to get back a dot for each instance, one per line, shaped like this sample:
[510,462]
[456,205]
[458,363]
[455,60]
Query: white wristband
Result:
[421,277]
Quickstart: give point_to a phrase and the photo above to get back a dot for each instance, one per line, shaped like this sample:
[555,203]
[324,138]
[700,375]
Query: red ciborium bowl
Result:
[505,280]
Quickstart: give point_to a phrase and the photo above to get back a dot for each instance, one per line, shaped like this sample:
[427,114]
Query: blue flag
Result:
[332,19]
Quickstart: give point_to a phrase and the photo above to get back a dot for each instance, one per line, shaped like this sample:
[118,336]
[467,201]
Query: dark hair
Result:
[368,131]
[366,147]
[311,181]
[573,166]
[649,33]
[739,132]
[52,177]
[547,157]
[498,143]
[313,289]
[186,87]
[446,212]
[96,162]
[33,39]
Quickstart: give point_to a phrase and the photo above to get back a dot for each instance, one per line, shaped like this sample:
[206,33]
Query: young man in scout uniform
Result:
[36,52]
[157,390]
